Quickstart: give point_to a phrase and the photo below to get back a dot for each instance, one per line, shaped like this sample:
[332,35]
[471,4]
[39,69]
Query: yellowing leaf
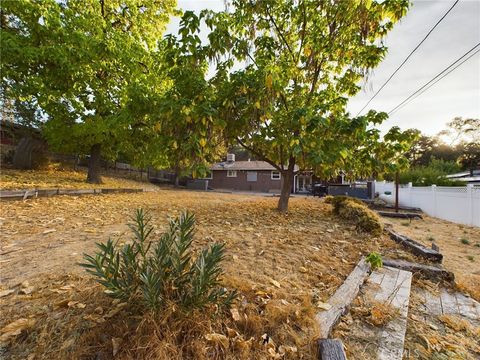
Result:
[15,328]
[268,81]
[275,283]
[257,104]
[218,339]
[202,142]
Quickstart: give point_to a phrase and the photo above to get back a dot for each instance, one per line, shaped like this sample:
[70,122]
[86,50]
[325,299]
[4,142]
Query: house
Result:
[253,175]
[469,177]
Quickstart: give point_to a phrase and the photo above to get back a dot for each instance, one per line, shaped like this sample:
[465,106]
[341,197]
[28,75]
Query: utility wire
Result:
[457,63]
[408,57]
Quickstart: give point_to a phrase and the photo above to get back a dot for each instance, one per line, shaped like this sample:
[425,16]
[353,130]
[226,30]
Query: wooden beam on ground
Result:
[399,215]
[393,288]
[331,349]
[415,247]
[424,271]
[25,194]
[343,297]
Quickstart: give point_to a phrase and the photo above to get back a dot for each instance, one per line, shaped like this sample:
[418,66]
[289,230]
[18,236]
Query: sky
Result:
[458,94]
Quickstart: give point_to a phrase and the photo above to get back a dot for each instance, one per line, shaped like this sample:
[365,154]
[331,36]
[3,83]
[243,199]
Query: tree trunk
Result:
[288,176]
[177,177]
[93,176]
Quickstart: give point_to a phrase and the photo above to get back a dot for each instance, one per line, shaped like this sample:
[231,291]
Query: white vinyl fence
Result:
[457,204]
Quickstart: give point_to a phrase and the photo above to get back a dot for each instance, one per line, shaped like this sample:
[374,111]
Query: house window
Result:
[251,176]
[275,175]
[231,173]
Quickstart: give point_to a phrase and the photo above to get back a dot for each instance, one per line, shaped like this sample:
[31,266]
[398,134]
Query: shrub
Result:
[356,211]
[375,260]
[152,274]
[328,199]
[338,202]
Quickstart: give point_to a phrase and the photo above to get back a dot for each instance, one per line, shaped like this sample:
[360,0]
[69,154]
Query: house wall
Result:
[264,182]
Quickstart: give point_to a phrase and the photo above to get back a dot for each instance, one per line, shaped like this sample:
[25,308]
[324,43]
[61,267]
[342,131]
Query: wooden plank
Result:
[449,303]
[343,297]
[399,215]
[331,349]
[415,247]
[424,271]
[395,289]
[432,303]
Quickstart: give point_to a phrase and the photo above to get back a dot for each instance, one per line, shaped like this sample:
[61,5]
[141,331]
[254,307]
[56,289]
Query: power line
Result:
[408,57]
[457,63]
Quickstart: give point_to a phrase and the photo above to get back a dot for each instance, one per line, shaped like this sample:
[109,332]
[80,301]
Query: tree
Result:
[462,130]
[301,60]
[470,157]
[88,64]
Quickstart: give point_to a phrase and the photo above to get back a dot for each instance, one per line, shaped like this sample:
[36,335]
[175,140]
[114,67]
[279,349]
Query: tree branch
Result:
[261,156]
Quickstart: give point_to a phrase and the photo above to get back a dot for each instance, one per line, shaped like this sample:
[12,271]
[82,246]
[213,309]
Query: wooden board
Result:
[331,349]
[394,288]
[415,247]
[25,194]
[425,271]
[399,215]
[343,297]
[451,303]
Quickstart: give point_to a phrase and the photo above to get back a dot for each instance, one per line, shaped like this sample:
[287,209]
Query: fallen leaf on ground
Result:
[116,345]
[275,283]
[15,328]
[218,339]
[324,306]
[235,314]
[6,292]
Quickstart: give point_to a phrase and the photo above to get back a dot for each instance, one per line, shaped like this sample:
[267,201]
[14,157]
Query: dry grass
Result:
[448,237]
[282,264]
[11,179]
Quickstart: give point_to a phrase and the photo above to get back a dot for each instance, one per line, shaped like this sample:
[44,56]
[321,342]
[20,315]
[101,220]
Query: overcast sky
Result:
[458,94]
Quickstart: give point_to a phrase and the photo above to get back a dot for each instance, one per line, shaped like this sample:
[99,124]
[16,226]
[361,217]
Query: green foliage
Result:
[433,174]
[356,211]
[299,62]
[89,65]
[375,260]
[152,274]
[186,134]
[465,241]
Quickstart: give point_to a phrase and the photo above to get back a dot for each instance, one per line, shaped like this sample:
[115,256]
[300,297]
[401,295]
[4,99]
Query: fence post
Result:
[434,200]
[409,197]
[470,203]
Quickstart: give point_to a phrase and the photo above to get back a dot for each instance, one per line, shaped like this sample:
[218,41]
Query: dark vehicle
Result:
[319,190]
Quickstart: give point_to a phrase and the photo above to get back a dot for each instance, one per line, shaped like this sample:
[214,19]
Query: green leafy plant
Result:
[375,260]
[151,274]
[465,241]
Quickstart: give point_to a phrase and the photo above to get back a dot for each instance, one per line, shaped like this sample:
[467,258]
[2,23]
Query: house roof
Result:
[254,165]
[243,165]
[463,174]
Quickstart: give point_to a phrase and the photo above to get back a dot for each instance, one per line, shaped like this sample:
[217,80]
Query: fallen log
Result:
[331,349]
[416,247]
[424,271]
[399,215]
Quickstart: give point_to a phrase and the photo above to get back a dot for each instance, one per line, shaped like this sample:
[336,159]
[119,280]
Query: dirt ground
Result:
[459,244]
[284,264]
[299,258]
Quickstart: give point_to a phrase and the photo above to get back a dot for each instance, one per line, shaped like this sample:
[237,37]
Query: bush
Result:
[152,274]
[355,210]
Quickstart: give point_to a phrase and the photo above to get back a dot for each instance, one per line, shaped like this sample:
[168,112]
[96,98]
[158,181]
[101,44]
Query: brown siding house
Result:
[257,176]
